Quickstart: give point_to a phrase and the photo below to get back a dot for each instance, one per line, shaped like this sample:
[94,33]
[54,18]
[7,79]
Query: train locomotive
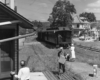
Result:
[61,36]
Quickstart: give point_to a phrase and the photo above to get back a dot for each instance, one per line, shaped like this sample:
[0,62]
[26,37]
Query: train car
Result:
[61,36]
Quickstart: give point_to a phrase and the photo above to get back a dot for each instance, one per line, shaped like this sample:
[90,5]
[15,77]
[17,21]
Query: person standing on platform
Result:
[73,56]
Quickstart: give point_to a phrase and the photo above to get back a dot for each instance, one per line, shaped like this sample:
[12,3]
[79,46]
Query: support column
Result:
[16,49]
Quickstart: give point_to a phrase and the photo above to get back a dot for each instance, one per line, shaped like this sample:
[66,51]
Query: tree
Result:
[62,14]
[22,31]
[90,17]
[37,24]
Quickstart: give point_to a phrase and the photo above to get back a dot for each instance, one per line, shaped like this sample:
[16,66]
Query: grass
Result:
[49,56]
[87,56]
[41,58]
[38,57]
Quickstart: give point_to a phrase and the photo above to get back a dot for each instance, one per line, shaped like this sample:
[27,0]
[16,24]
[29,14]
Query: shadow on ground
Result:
[91,75]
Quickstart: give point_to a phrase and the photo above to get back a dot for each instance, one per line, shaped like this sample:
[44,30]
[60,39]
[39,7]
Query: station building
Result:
[10,21]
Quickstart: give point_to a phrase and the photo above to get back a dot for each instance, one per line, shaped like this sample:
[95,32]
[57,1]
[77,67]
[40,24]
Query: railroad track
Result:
[88,48]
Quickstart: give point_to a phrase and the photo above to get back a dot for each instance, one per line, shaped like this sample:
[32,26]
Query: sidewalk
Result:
[83,69]
[37,76]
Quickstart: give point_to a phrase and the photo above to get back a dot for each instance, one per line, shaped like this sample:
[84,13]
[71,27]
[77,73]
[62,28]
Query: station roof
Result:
[25,23]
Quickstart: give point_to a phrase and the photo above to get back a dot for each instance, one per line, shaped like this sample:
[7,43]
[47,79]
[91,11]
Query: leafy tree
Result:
[90,17]
[37,23]
[46,24]
[62,14]
[22,31]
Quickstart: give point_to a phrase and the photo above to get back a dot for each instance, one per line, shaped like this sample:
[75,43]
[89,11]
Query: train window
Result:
[63,35]
[47,36]
[51,34]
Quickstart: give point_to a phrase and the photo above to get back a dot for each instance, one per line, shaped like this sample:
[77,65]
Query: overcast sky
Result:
[40,9]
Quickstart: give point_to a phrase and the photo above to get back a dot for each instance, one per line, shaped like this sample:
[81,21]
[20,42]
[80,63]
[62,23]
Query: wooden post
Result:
[16,57]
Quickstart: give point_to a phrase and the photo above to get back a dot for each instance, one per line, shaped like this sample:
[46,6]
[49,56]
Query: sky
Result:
[41,9]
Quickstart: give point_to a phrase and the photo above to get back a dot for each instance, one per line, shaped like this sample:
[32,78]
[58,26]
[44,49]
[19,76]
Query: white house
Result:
[80,23]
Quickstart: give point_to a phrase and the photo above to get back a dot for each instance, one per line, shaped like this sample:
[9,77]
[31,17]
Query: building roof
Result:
[78,19]
[25,23]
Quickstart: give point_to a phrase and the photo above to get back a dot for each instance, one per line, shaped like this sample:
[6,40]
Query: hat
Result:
[72,44]
[22,63]
[61,48]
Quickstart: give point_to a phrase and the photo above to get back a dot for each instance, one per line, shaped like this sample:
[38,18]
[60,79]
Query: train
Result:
[61,36]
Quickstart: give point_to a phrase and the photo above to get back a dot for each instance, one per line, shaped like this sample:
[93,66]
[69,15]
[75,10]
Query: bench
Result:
[49,75]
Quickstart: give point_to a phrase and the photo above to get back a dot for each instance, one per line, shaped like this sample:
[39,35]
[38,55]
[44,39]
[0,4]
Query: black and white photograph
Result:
[49,39]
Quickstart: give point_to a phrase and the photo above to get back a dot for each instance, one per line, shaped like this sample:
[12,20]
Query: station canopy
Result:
[10,16]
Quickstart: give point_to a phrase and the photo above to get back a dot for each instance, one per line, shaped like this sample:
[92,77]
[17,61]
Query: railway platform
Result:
[37,76]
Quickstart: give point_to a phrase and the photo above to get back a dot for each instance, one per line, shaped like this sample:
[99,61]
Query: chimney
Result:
[12,4]
[3,1]
[9,3]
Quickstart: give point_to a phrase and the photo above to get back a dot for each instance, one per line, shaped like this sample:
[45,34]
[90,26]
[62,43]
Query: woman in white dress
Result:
[73,56]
